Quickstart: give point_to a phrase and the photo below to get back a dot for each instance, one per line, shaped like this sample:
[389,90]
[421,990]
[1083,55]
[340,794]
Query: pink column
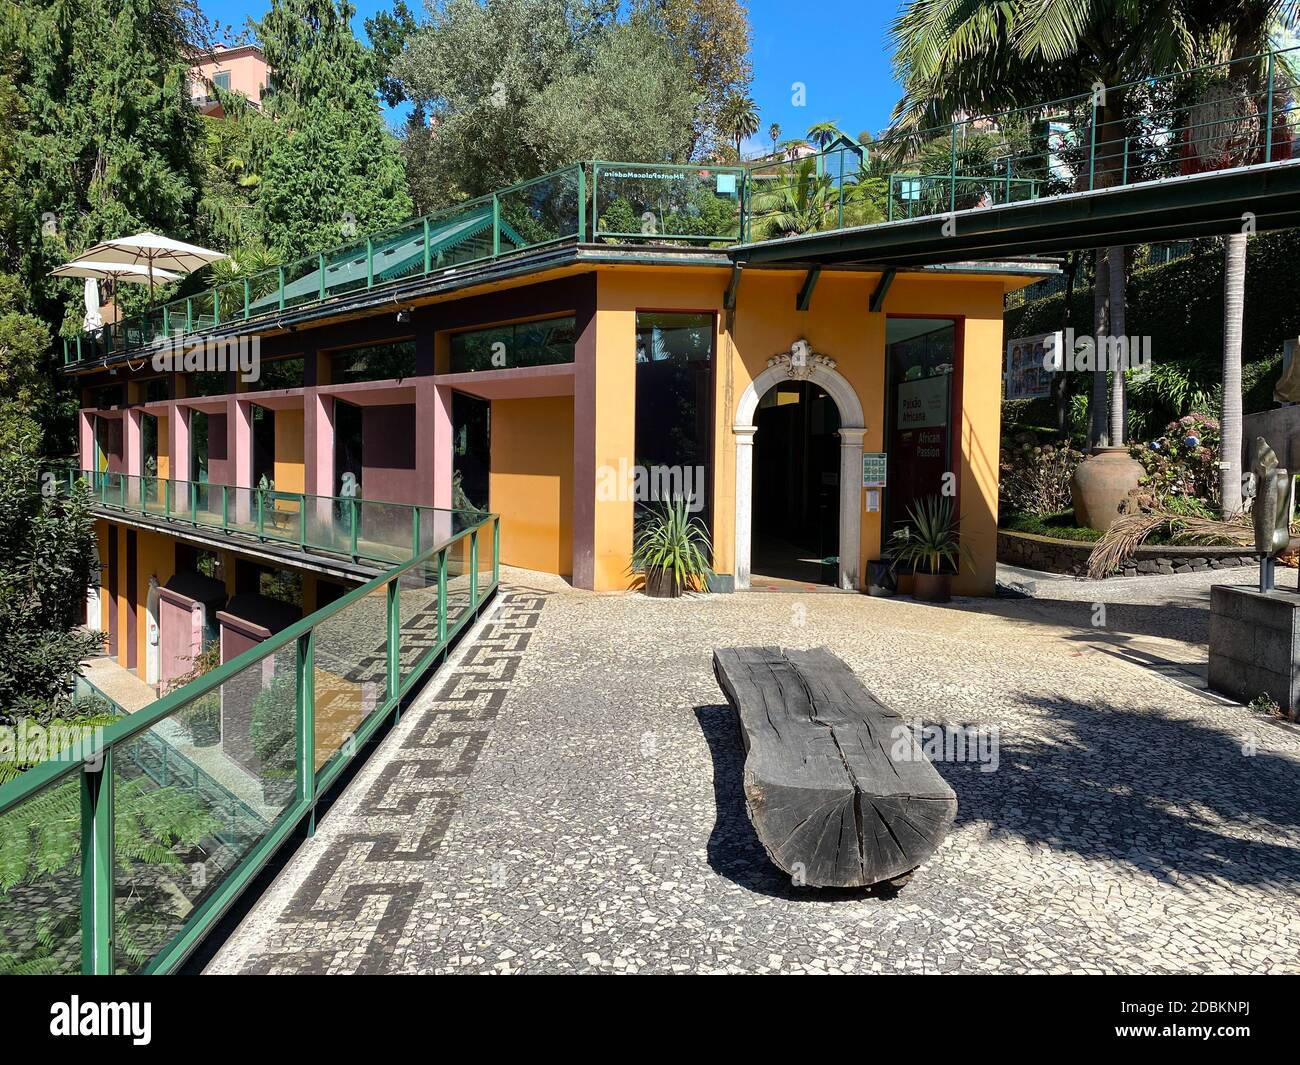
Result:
[318,462]
[433,453]
[133,440]
[178,448]
[86,435]
[239,442]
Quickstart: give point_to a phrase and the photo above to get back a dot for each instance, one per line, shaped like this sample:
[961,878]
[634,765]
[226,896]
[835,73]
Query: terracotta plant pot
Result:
[932,587]
[1101,482]
[662,584]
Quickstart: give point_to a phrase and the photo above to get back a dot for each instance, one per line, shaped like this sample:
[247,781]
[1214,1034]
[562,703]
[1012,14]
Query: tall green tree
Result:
[329,166]
[710,40]
[630,100]
[738,119]
[477,70]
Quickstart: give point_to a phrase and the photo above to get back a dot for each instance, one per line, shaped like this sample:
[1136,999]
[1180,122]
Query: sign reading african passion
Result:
[1027,375]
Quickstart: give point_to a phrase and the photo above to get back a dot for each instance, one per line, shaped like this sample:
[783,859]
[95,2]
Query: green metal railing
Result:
[1215,117]
[364,530]
[113,869]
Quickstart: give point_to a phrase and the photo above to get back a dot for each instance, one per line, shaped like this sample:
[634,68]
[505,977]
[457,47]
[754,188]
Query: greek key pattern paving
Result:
[373,851]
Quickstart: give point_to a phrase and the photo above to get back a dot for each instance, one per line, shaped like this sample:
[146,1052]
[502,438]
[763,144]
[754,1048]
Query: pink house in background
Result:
[241,69]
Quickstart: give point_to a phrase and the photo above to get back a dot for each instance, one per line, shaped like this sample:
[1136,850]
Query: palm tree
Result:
[774,135]
[822,133]
[989,55]
[738,118]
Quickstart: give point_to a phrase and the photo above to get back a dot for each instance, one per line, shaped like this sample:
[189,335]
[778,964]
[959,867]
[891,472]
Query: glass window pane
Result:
[351,671]
[40,893]
[194,795]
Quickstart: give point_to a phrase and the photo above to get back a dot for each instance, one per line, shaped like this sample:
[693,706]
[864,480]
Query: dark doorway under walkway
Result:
[796,486]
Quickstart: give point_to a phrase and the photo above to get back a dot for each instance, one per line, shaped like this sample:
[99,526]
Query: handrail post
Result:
[582,203]
[261,514]
[595,202]
[415,531]
[320,270]
[1268,128]
[353,509]
[189,315]
[496,225]
[302,520]
[225,508]
[216,306]
[248,295]
[370,262]
[281,293]
[305,717]
[428,252]
[496,551]
[167,498]
[1092,148]
[442,596]
[394,657]
[194,503]
[952,158]
[1123,180]
[473,569]
[97,866]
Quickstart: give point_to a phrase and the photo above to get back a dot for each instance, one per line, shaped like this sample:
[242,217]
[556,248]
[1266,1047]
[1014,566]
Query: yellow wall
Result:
[289,469]
[531,483]
[156,557]
[838,324]
[164,444]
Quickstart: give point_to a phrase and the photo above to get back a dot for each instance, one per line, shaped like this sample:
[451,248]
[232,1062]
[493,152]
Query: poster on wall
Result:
[1027,376]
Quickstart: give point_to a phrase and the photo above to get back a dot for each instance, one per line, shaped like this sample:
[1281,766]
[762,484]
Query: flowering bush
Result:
[1182,466]
[1035,478]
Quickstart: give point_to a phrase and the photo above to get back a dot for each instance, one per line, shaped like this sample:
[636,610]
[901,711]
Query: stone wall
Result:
[1051,555]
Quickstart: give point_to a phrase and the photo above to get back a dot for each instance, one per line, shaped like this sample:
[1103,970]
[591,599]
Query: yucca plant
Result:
[929,547]
[672,551]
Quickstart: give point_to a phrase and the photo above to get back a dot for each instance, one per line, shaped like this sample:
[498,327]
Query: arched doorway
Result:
[802,365]
[795,518]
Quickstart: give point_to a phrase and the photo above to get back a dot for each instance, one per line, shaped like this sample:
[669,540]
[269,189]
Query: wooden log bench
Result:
[829,796]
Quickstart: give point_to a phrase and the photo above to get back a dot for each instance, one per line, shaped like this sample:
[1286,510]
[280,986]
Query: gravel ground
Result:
[567,798]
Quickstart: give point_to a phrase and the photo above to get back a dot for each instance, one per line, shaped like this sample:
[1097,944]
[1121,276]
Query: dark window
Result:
[107,397]
[378,362]
[674,409]
[221,80]
[920,356]
[282,373]
[157,389]
[209,383]
[504,347]
[471,420]
[347,449]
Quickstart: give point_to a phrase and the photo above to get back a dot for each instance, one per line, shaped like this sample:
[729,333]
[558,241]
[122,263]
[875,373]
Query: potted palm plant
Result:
[671,552]
[929,547]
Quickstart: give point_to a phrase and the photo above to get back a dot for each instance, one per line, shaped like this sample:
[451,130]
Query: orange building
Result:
[568,386]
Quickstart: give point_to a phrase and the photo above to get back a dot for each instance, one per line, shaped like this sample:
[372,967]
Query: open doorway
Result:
[796,485]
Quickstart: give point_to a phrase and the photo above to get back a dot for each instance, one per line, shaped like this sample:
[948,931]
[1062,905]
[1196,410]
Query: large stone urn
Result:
[1100,483]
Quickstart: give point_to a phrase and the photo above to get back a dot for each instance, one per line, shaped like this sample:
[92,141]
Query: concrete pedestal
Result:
[1255,645]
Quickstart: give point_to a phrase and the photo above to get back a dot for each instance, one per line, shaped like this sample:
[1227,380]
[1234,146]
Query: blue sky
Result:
[838,49]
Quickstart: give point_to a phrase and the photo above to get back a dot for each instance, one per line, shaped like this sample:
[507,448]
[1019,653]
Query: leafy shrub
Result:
[1035,478]
[1182,468]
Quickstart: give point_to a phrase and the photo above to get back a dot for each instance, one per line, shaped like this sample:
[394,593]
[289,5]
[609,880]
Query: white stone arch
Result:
[821,371]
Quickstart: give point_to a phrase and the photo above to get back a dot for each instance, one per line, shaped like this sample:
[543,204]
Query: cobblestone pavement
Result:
[567,799]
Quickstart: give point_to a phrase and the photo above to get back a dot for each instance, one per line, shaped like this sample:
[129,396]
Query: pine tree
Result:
[329,165]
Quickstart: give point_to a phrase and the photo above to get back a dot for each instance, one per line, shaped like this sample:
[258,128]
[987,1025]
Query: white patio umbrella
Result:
[152,251]
[112,273]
